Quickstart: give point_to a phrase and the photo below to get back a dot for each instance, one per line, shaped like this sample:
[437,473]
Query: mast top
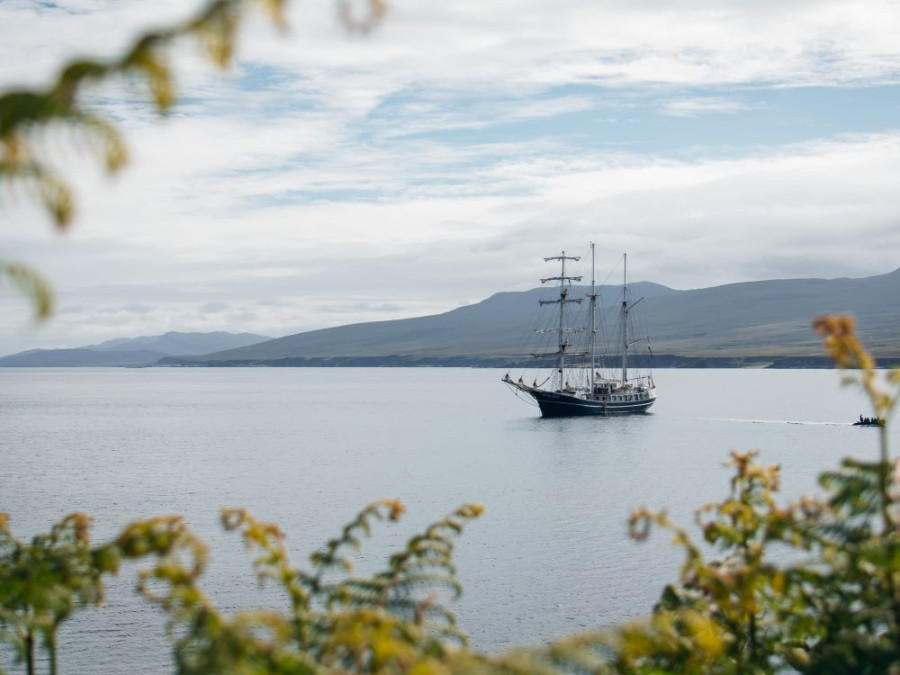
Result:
[563,256]
[544,281]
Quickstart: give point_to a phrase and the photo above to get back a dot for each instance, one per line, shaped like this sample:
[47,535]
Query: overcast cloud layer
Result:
[333,178]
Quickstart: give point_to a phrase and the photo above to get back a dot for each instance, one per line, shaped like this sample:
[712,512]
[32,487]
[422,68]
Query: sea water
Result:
[308,448]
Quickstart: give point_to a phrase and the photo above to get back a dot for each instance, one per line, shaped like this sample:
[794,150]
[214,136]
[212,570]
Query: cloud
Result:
[693,107]
[333,178]
[137,308]
[363,308]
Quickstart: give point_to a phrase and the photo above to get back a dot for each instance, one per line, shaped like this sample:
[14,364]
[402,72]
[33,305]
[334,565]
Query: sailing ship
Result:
[576,386]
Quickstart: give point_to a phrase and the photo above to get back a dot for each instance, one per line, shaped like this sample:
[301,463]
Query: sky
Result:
[330,177]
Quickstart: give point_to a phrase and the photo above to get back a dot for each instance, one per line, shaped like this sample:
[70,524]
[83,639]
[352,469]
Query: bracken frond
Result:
[24,113]
[32,284]
[362,15]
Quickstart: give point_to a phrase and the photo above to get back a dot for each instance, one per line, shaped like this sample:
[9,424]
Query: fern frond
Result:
[217,29]
[414,582]
[592,652]
[333,557]
[41,185]
[23,111]
[275,10]
[31,284]
[273,562]
[365,19]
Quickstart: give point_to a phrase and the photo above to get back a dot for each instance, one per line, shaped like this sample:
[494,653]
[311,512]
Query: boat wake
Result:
[811,424]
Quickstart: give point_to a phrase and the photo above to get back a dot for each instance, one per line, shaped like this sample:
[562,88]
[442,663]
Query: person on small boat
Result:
[869,422]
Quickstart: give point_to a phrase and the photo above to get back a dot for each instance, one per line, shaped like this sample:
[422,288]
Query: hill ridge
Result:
[753,320]
[144,350]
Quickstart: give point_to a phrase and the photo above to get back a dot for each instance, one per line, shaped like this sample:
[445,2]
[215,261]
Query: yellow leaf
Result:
[31,284]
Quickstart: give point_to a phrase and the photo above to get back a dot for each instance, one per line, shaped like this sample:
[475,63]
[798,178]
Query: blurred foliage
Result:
[43,582]
[31,284]
[62,111]
[810,586]
[837,610]
[389,622]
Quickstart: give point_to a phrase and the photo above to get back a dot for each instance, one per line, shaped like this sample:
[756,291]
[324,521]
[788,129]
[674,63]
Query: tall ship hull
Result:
[593,393]
[562,404]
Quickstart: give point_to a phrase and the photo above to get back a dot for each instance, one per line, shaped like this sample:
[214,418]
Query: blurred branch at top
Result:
[27,115]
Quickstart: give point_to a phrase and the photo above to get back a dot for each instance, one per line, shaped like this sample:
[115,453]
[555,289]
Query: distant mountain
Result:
[758,320]
[139,351]
[491,328]
[182,344]
[767,318]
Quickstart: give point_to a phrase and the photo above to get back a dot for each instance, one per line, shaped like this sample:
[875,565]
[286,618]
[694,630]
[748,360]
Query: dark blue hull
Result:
[556,404]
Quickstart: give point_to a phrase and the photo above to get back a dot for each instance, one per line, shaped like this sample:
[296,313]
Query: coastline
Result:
[661,361]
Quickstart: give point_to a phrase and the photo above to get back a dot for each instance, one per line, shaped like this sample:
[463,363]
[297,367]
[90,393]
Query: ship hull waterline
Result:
[557,404]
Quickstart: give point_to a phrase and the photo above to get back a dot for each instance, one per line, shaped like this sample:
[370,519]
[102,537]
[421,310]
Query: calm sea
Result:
[307,448]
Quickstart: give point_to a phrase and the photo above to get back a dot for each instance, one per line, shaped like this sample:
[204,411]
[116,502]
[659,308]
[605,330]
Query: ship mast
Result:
[624,319]
[563,300]
[593,297]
